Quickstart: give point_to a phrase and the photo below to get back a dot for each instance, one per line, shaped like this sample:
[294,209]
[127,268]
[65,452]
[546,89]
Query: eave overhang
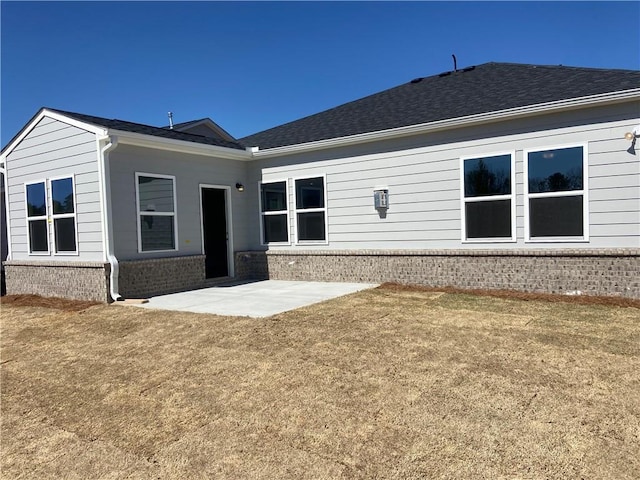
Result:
[452,123]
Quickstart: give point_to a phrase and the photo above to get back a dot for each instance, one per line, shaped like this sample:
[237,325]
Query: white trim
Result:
[173,214]
[568,193]
[213,126]
[481,118]
[7,220]
[487,198]
[227,200]
[183,146]
[261,214]
[55,116]
[73,215]
[44,217]
[297,241]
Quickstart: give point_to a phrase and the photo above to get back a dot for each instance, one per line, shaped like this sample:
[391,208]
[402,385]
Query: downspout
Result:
[108,216]
[3,172]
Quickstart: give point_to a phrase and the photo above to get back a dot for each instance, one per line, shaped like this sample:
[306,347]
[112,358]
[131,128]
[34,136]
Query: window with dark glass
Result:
[275,213]
[310,209]
[37,228]
[64,215]
[488,199]
[555,193]
[156,212]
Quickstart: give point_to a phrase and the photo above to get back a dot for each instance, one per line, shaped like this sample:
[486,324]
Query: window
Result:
[487,197]
[37,227]
[64,215]
[156,205]
[311,210]
[274,212]
[555,189]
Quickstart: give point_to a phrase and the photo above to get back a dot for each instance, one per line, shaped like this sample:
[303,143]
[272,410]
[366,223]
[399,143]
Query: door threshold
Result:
[212,282]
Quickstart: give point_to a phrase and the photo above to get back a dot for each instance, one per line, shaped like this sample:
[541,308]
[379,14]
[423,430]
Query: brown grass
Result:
[388,383]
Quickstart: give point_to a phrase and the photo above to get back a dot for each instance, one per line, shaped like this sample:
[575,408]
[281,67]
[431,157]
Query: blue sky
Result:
[253,65]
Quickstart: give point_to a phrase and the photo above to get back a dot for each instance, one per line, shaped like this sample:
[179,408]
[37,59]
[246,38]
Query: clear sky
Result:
[253,65]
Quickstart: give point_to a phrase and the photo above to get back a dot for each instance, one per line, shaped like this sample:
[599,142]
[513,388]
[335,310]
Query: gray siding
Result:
[423,177]
[190,171]
[55,149]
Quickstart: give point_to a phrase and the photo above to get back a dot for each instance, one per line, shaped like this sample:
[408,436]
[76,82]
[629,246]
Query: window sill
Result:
[490,240]
[157,251]
[557,240]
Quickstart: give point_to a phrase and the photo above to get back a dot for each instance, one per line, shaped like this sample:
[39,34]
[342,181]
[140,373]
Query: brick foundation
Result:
[591,272]
[145,278]
[74,280]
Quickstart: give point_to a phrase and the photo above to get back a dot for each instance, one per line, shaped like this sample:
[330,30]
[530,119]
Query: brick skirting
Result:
[74,280]
[590,272]
[145,278]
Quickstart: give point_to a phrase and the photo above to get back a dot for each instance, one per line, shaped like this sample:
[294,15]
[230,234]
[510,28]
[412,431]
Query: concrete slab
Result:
[254,299]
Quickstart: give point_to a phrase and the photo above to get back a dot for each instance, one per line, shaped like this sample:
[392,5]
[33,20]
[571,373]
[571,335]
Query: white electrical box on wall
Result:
[381,198]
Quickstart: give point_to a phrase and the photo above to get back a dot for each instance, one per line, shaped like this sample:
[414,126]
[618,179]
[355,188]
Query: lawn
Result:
[385,383]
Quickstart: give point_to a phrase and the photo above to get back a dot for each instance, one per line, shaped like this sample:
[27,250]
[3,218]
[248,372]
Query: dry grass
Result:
[388,383]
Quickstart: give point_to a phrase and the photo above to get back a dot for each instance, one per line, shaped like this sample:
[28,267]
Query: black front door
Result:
[214,227]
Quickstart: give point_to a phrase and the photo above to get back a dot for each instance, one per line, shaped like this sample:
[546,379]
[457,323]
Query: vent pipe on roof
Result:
[170,115]
[455,63]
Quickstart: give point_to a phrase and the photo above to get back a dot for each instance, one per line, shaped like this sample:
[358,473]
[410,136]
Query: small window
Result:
[555,191]
[487,197]
[155,196]
[64,215]
[311,215]
[274,212]
[37,227]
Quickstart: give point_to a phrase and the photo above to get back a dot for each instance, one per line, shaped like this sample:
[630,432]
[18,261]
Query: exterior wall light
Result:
[632,136]
[240,187]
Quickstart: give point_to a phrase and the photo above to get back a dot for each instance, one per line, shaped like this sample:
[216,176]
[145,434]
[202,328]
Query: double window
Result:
[555,194]
[310,211]
[63,216]
[156,206]
[488,199]
[274,212]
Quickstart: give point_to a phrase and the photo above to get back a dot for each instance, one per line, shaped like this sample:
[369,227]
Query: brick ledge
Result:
[610,252]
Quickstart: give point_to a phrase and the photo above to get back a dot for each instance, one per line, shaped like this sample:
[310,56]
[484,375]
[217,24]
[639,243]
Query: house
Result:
[501,176]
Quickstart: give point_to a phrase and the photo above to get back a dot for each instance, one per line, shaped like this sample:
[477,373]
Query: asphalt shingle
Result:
[486,88]
[149,130]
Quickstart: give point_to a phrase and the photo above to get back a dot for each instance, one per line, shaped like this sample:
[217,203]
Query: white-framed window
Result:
[488,198]
[156,212]
[63,214]
[274,212]
[311,210]
[556,185]
[37,225]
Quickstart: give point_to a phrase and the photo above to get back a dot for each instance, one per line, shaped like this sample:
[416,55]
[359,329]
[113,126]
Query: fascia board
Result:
[89,127]
[489,117]
[161,143]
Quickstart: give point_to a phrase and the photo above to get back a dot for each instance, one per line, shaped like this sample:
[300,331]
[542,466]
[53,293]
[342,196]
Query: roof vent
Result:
[417,80]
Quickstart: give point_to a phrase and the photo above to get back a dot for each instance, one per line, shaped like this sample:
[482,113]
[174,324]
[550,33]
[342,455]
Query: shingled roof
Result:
[485,88]
[149,130]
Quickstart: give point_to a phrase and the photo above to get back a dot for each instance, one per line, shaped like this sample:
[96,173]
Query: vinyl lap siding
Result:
[55,149]
[424,188]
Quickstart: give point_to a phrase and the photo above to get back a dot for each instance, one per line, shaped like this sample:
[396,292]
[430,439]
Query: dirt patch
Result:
[516,295]
[46,302]
[380,384]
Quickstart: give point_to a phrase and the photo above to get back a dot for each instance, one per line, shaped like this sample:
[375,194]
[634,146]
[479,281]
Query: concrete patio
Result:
[254,299]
